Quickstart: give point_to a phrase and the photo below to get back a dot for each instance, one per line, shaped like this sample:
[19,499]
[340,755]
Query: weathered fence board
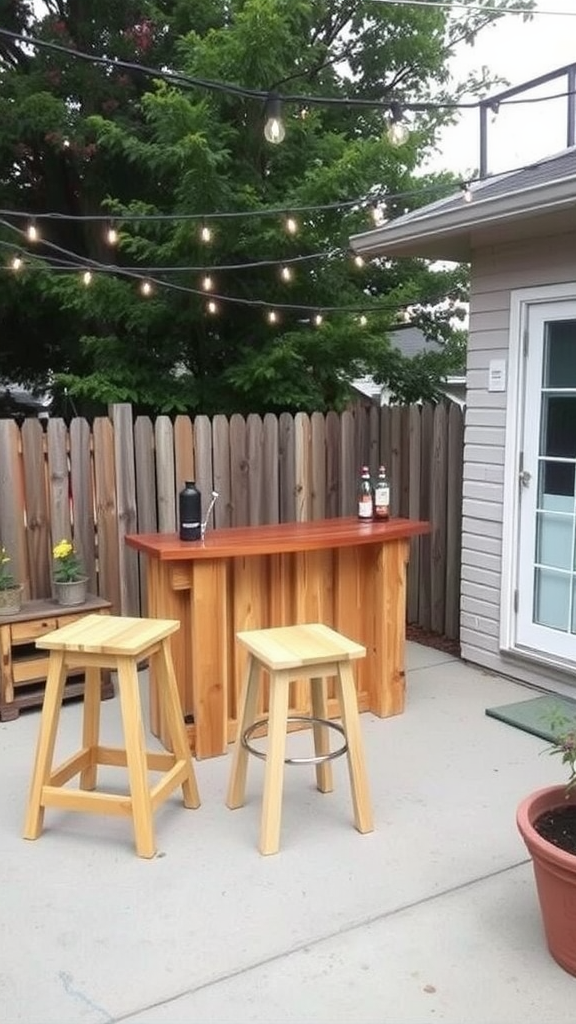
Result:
[94,484]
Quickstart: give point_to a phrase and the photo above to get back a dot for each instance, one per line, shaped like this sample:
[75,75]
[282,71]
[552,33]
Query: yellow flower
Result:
[63,549]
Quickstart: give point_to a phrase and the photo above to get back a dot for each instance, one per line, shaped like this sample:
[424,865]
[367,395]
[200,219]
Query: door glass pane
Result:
[552,599]
[555,549]
[559,362]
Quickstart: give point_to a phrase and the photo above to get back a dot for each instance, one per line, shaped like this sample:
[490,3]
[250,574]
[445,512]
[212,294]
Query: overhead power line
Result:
[473,7]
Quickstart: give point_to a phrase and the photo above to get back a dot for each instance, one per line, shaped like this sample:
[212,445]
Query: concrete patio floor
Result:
[433,917]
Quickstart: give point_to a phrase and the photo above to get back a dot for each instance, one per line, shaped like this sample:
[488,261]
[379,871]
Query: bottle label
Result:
[190,526]
[365,507]
[382,497]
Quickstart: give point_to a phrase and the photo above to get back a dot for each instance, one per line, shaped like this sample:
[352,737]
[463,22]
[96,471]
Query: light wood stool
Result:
[98,642]
[312,652]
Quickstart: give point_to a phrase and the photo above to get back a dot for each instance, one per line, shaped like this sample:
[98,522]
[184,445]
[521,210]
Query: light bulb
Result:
[274,130]
[32,233]
[287,274]
[16,263]
[212,307]
[291,225]
[87,277]
[398,133]
[379,214]
[146,288]
[466,193]
[112,236]
[205,234]
[207,283]
[359,261]
[272,316]
[66,143]
[363,320]
[318,319]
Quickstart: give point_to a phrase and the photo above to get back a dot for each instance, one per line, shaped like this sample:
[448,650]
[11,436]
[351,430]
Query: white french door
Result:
[546,578]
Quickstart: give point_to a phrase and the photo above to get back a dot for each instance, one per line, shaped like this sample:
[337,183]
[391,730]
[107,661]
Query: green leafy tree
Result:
[79,137]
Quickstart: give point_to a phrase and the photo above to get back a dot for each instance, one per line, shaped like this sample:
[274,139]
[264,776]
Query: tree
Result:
[79,137]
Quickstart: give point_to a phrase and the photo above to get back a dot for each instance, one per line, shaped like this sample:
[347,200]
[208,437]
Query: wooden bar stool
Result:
[312,652]
[98,642]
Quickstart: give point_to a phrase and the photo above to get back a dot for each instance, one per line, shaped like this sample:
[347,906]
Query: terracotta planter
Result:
[11,600]
[555,873]
[72,593]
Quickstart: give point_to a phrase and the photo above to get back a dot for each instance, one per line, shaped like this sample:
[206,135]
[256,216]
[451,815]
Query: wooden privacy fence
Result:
[96,483]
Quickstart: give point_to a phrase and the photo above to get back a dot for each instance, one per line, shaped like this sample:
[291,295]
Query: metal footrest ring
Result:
[317,759]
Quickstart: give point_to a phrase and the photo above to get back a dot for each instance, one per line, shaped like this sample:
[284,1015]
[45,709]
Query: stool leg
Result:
[136,757]
[91,725]
[324,781]
[170,702]
[274,774]
[46,742]
[246,717]
[356,763]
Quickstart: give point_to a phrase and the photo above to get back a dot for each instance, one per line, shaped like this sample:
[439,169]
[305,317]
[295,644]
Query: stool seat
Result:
[314,652]
[96,642]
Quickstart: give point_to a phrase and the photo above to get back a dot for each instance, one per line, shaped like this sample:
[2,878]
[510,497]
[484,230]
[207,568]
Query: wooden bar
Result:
[348,574]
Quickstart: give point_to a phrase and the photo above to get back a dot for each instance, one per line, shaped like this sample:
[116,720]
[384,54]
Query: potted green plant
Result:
[10,591]
[70,580]
[547,823]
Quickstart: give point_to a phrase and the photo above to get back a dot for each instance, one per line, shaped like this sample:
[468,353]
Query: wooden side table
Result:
[23,668]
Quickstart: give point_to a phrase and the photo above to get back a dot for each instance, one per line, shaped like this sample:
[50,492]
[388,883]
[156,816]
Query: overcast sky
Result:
[518,52]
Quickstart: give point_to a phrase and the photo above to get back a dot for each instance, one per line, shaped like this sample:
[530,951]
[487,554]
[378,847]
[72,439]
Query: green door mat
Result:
[538,716]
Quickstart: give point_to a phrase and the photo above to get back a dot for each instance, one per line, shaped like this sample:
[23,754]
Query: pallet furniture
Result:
[349,574]
[116,643]
[312,652]
[23,668]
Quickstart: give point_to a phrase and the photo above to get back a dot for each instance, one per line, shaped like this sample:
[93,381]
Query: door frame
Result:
[521,300]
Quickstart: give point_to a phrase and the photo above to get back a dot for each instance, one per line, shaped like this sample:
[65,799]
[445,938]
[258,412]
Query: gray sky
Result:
[518,52]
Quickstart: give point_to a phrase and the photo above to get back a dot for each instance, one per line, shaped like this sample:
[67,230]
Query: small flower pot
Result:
[11,600]
[71,593]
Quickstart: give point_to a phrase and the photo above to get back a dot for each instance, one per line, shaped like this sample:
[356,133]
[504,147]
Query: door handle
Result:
[525,477]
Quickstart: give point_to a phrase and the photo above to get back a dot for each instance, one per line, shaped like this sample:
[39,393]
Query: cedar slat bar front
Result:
[345,573]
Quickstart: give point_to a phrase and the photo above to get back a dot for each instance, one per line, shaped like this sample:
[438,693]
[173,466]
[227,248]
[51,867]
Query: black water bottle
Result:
[190,510]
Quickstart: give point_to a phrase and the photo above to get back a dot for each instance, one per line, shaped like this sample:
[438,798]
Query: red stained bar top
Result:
[239,541]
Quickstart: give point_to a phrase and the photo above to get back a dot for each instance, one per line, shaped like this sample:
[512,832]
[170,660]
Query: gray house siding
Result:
[497,270]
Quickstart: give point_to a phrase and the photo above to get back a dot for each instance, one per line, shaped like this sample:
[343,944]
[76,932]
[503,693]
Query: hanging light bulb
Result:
[274,130]
[287,274]
[32,232]
[66,143]
[205,234]
[362,320]
[87,277]
[146,288]
[398,131]
[212,307]
[207,283]
[16,263]
[379,214]
[318,319]
[112,235]
[359,261]
[466,193]
[291,225]
[272,316]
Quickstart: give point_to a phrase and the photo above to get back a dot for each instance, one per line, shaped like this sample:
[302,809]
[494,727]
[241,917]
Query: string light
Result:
[359,261]
[397,131]
[16,263]
[205,234]
[146,288]
[378,212]
[363,320]
[112,235]
[287,274]
[87,277]
[207,283]
[274,130]
[466,193]
[32,232]
[318,320]
[212,307]
[291,225]
[272,316]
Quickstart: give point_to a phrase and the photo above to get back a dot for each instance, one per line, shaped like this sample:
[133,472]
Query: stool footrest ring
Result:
[317,759]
